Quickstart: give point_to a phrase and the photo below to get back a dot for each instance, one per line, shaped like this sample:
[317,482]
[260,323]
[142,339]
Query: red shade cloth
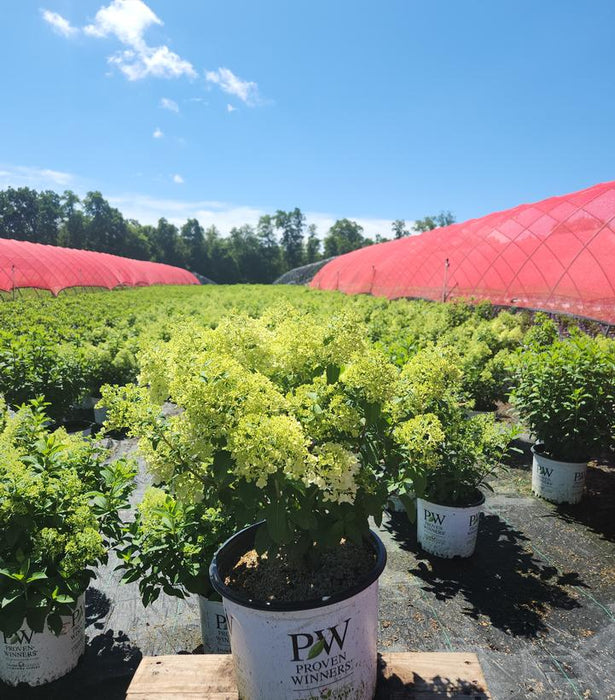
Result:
[24,264]
[555,255]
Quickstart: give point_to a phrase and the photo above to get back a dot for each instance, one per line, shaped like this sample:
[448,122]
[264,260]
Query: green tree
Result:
[222,267]
[72,229]
[292,224]
[399,229]
[137,243]
[26,215]
[444,218]
[48,217]
[193,236]
[343,236]
[167,247]
[312,247]
[105,227]
[269,246]
[247,251]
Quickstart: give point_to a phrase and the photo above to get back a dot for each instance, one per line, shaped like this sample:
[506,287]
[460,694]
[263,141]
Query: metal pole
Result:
[446,266]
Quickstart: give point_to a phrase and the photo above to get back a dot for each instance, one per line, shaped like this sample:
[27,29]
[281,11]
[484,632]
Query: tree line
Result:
[249,254]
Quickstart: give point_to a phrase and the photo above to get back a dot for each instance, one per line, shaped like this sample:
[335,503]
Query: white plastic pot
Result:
[558,482]
[40,657]
[319,648]
[214,630]
[394,504]
[448,531]
[100,415]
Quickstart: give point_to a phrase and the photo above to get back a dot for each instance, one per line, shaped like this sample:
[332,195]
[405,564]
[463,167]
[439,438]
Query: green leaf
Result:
[304,518]
[54,622]
[277,523]
[372,413]
[35,617]
[64,599]
[37,576]
[316,649]
[333,374]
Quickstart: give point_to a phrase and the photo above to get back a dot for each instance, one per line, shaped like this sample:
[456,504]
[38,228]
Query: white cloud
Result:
[37,178]
[178,179]
[230,108]
[127,21]
[158,134]
[59,24]
[157,62]
[228,82]
[171,105]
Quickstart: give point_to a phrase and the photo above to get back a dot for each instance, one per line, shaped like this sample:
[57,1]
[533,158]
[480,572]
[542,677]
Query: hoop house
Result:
[24,264]
[554,255]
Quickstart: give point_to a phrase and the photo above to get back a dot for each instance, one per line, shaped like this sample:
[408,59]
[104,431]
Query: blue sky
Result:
[344,108]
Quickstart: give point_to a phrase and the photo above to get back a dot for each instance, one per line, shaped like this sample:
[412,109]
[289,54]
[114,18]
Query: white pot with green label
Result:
[214,630]
[555,481]
[448,531]
[322,648]
[40,657]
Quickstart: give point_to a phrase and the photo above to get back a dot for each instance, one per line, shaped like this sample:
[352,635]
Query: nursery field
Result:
[536,602]
[67,347]
[417,392]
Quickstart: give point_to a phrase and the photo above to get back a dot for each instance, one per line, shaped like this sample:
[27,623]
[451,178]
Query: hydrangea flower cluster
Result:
[273,419]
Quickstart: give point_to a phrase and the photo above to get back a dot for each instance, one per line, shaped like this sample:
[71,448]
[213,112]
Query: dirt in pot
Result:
[277,578]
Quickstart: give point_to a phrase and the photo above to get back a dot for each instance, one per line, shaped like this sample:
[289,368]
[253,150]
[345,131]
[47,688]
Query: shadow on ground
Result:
[97,606]
[437,687]
[501,581]
[597,509]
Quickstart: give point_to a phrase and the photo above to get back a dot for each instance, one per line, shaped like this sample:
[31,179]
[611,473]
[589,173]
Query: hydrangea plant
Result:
[435,450]
[565,393]
[277,420]
[59,506]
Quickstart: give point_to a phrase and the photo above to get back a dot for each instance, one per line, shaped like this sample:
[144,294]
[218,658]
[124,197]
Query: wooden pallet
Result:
[401,676]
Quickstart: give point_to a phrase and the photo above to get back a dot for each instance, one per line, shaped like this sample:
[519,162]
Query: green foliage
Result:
[565,392]
[59,506]
[278,420]
[343,237]
[170,545]
[33,365]
[444,218]
[435,450]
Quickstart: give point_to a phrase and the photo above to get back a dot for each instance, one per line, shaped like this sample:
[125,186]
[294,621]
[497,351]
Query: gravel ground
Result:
[536,602]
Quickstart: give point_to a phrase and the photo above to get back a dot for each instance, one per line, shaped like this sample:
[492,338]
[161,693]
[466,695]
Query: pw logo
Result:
[318,641]
[432,517]
[545,471]
[220,622]
[20,637]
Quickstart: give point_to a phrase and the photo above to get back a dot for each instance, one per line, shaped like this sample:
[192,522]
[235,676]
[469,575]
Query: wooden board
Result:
[401,676]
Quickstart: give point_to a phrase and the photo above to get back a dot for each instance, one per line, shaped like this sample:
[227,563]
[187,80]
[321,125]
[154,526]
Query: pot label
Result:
[559,482]
[446,531]
[39,657]
[327,652]
[214,628]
